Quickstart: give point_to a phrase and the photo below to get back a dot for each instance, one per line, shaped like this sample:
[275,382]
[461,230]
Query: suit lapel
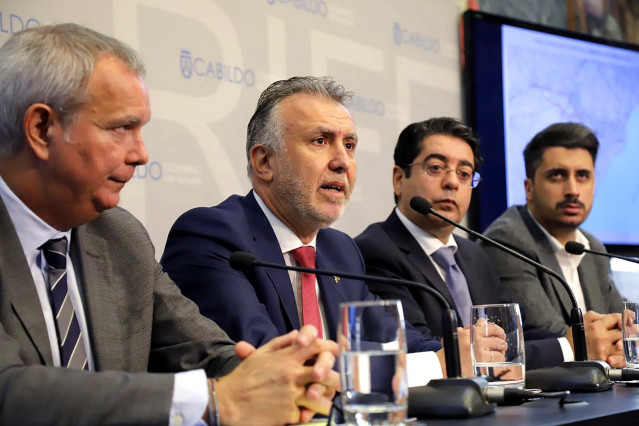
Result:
[415,255]
[16,277]
[588,270]
[268,249]
[547,258]
[92,263]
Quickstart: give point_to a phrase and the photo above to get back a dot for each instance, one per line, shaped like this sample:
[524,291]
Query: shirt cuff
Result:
[566,350]
[422,367]
[190,398]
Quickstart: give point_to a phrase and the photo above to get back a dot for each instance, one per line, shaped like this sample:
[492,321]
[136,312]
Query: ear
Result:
[398,175]
[528,186]
[40,123]
[261,160]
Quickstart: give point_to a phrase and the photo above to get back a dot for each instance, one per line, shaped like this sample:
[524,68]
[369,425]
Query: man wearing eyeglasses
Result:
[437,159]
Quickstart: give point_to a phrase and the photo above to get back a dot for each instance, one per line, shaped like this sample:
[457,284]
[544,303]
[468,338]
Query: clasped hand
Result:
[286,380]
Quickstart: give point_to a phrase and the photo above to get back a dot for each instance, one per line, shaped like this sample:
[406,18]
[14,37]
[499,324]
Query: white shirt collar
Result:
[32,231]
[287,239]
[556,245]
[429,243]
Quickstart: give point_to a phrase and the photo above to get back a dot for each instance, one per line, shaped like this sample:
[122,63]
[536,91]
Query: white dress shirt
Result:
[568,262]
[422,366]
[288,241]
[430,244]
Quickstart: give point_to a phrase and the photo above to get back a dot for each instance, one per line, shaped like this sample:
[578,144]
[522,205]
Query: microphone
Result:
[614,374]
[243,261]
[586,375]
[453,397]
[423,206]
[448,398]
[573,247]
[623,374]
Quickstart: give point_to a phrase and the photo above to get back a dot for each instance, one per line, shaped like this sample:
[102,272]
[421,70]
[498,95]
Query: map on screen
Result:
[549,79]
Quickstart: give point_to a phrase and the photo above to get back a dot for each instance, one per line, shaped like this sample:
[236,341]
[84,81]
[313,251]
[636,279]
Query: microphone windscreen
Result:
[420,204]
[573,247]
[241,260]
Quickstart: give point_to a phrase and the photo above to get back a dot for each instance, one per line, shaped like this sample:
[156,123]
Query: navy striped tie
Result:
[72,351]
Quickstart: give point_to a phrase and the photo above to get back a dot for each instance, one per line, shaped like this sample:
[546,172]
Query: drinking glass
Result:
[630,330]
[372,362]
[502,363]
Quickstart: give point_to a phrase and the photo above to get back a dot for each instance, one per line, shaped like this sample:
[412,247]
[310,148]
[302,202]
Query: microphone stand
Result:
[573,247]
[453,397]
[578,375]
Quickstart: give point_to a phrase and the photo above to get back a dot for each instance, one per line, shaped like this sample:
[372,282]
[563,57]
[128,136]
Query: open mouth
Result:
[333,187]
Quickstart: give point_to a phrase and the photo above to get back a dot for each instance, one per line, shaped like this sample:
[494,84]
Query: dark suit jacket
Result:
[390,250]
[138,321]
[545,299]
[259,305]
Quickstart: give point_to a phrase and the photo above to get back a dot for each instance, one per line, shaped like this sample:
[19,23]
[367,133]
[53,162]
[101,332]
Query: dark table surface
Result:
[616,407]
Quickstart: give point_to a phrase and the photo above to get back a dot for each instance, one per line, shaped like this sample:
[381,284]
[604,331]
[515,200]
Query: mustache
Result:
[567,201]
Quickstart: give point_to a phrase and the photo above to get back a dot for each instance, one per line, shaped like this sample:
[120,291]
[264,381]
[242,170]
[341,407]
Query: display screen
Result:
[520,78]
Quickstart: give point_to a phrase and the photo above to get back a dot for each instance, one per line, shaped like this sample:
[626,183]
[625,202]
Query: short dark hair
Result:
[409,143]
[565,135]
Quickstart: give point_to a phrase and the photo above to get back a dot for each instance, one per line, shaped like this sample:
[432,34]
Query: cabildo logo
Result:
[414,39]
[316,7]
[190,66]
[368,105]
[170,173]
[152,170]
[12,23]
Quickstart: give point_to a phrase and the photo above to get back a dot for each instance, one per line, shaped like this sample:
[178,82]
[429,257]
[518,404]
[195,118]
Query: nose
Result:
[571,188]
[137,154]
[450,179]
[341,158]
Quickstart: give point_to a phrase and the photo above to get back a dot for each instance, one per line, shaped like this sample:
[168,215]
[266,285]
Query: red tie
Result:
[305,256]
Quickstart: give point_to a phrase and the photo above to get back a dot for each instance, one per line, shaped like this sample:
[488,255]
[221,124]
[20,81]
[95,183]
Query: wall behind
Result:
[208,61]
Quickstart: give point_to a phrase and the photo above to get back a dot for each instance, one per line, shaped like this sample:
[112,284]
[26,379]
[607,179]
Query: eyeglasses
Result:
[465,175]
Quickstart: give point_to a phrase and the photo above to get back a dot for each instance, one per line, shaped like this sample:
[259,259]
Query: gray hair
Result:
[51,65]
[265,126]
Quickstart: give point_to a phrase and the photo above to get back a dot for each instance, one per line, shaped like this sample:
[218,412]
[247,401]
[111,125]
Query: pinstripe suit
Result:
[138,322]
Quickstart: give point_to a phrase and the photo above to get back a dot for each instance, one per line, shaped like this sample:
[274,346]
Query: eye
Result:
[319,141]
[556,175]
[350,146]
[122,129]
[434,168]
[464,174]
[583,175]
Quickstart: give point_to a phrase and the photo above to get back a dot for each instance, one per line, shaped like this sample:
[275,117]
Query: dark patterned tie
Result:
[305,256]
[455,281]
[72,351]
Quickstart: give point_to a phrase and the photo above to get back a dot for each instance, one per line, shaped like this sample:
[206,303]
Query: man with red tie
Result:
[91,330]
[301,161]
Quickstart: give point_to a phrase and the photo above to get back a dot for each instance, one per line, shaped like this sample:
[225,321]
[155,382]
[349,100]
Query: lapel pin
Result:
[336,278]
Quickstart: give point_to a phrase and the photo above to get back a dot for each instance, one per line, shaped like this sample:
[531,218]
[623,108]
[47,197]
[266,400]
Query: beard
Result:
[300,196]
